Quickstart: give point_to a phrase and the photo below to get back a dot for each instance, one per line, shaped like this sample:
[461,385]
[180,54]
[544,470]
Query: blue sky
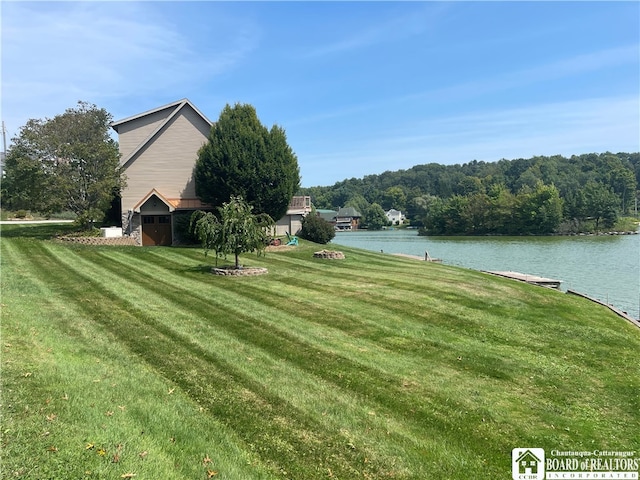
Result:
[359,87]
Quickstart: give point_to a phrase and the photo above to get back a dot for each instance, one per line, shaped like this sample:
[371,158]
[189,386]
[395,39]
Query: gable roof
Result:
[176,107]
[348,212]
[528,455]
[160,197]
[328,215]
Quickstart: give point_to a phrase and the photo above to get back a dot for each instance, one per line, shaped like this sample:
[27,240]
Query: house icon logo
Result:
[527,463]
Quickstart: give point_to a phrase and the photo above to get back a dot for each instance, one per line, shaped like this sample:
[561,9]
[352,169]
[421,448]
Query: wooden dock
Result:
[532,279]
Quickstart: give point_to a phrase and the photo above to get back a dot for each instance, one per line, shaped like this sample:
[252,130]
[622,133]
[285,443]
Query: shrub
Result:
[317,229]
[81,231]
[22,214]
[69,215]
[182,229]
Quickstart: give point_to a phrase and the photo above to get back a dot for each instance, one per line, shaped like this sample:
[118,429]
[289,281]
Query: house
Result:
[528,463]
[158,152]
[327,215]
[299,207]
[347,218]
[395,216]
[159,149]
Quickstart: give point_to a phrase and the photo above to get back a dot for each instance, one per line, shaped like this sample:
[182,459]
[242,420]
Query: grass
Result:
[122,361]
[627,224]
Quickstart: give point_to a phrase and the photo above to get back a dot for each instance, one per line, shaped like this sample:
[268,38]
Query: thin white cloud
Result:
[384,30]
[56,54]
[565,128]
[520,79]
[566,67]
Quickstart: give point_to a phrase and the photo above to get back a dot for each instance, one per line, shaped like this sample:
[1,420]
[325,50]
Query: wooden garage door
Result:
[156,230]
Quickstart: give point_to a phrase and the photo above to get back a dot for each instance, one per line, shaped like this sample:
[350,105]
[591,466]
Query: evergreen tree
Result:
[243,158]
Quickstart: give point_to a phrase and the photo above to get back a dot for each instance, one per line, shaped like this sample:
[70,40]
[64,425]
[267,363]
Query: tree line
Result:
[538,195]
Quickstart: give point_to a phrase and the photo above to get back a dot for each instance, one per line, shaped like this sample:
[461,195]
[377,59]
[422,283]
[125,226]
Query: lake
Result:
[606,267]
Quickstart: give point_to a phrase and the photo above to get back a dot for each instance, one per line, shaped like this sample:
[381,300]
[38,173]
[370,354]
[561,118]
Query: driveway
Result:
[29,222]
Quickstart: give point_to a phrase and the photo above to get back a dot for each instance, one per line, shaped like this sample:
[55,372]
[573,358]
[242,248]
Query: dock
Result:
[532,279]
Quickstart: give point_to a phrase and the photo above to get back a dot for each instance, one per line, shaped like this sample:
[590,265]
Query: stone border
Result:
[615,310]
[329,254]
[128,241]
[238,272]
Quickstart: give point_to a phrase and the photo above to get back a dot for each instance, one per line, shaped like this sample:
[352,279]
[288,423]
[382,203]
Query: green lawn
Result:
[123,361]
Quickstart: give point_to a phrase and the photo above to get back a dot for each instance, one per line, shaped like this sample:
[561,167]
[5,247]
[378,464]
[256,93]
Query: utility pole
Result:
[4,147]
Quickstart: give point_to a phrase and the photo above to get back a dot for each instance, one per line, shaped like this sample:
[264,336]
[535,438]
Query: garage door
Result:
[156,230]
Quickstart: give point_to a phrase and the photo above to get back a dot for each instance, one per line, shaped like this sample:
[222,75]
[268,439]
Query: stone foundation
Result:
[131,226]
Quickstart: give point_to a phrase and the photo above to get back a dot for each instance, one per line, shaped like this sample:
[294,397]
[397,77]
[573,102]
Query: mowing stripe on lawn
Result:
[335,368]
[57,332]
[277,352]
[241,403]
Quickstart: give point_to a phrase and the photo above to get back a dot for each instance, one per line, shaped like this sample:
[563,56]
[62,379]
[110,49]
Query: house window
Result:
[164,219]
[148,219]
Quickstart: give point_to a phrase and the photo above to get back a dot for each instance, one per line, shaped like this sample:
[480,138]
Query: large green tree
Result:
[538,210]
[600,204]
[375,217]
[69,162]
[244,158]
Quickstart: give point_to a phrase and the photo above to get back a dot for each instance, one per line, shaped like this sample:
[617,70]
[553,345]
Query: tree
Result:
[243,158]
[358,202]
[600,204]
[394,197]
[236,230]
[623,184]
[28,185]
[500,209]
[538,209]
[68,162]
[476,213]
[375,217]
[456,222]
[433,218]
[317,229]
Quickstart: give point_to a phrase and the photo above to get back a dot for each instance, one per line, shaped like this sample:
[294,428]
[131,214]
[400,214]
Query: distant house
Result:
[299,207]
[328,215]
[159,149]
[395,216]
[347,218]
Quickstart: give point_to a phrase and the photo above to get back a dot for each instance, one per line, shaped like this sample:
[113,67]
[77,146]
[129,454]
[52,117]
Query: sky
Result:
[359,87]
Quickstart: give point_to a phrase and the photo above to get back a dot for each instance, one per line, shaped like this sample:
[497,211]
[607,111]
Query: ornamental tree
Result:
[243,158]
[234,230]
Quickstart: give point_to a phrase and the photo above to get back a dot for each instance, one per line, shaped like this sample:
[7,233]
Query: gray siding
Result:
[166,162]
[133,133]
